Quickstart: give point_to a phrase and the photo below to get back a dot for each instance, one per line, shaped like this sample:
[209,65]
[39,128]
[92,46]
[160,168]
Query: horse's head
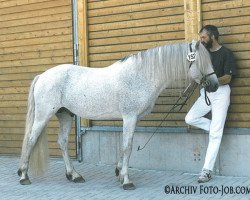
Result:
[201,68]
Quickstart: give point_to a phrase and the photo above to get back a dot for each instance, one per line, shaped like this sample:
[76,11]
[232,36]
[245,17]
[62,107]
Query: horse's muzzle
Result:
[211,88]
[209,85]
[210,82]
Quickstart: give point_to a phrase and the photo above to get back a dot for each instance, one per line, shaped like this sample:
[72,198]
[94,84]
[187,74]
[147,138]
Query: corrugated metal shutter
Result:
[118,28]
[233,19]
[35,35]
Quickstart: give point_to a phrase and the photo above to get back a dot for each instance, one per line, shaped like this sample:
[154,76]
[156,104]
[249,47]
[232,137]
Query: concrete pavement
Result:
[101,184]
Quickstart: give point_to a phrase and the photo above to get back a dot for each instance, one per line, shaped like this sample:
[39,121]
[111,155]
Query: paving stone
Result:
[101,184]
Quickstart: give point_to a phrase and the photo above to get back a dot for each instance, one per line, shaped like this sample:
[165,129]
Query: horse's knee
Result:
[62,143]
[127,147]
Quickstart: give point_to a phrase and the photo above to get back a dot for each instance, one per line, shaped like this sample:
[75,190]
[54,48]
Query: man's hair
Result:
[211,30]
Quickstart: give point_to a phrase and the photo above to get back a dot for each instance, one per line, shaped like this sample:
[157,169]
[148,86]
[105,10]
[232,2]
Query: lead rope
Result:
[174,106]
[208,102]
[205,84]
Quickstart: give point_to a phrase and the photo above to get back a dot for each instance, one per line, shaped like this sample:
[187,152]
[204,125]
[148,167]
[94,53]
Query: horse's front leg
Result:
[65,120]
[119,164]
[129,124]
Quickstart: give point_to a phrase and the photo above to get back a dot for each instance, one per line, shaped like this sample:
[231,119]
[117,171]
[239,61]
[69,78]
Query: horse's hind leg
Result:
[30,142]
[129,124]
[65,119]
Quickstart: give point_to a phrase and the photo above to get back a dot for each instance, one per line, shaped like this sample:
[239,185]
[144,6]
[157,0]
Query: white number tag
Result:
[191,56]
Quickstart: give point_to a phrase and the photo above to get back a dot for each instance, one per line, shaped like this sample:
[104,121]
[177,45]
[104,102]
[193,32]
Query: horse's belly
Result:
[93,106]
[97,114]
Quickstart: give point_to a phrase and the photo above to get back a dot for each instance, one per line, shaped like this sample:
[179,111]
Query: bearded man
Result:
[224,66]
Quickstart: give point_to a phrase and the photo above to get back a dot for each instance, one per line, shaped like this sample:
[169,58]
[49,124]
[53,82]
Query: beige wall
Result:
[34,36]
[233,19]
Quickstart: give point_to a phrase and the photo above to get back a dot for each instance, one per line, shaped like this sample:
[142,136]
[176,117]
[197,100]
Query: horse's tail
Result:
[39,154]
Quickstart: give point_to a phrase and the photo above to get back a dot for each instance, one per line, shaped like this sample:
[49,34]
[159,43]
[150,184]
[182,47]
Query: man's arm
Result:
[226,79]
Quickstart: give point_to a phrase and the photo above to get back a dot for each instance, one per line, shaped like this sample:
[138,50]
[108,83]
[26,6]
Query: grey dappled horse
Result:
[125,90]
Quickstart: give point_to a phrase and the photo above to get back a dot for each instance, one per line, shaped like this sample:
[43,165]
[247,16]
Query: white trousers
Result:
[220,101]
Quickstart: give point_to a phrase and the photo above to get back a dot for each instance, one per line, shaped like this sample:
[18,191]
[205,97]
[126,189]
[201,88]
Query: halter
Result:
[191,57]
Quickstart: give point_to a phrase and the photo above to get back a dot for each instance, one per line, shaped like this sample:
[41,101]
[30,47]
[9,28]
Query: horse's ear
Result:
[197,45]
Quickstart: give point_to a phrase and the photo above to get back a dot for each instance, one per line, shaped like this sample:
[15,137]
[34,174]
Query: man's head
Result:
[208,35]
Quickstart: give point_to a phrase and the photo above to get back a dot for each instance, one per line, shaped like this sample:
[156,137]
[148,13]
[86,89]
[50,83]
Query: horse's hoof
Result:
[117,171]
[79,179]
[129,186]
[25,182]
[19,172]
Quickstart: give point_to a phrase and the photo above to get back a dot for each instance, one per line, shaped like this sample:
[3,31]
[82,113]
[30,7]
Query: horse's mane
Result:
[162,63]
[166,63]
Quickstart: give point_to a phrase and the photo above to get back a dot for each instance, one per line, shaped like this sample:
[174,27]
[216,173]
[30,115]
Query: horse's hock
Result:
[169,149]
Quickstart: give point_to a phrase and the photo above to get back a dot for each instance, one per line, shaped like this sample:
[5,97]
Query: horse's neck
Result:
[176,68]
[162,66]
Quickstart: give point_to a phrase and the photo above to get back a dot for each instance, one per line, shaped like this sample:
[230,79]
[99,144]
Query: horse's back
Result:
[63,70]
[52,78]
[81,90]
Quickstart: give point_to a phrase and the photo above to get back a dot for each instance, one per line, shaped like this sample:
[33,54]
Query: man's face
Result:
[206,40]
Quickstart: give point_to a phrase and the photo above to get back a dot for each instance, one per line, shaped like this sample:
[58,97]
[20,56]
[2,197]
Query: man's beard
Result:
[208,45]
